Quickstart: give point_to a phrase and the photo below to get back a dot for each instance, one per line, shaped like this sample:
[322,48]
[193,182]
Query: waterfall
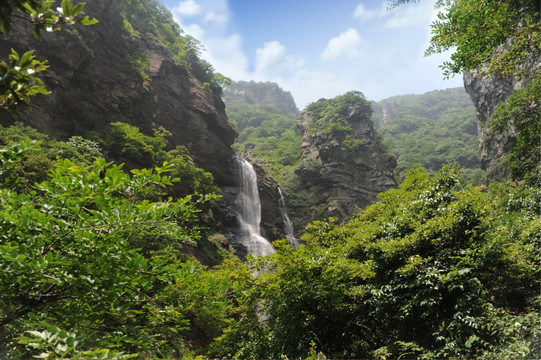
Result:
[288,224]
[249,208]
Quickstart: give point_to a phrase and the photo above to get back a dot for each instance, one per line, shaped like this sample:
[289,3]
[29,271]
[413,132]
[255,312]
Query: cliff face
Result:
[338,180]
[257,93]
[95,80]
[486,93]
[271,95]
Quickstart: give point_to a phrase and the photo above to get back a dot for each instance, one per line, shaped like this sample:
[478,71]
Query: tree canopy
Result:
[475,32]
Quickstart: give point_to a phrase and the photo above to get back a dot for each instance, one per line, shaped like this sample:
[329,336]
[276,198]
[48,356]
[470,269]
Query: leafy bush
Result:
[71,258]
[521,112]
[127,141]
[430,272]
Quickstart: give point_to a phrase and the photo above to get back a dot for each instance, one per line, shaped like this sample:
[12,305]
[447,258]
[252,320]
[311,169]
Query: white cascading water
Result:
[288,224]
[249,208]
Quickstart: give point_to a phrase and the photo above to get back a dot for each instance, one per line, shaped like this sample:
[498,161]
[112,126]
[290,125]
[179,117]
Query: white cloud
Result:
[208,21]
[226,56]
[187,8]
[365,15]
[348,44]
[400,17]
[410,15]
[214,18]
[273,59]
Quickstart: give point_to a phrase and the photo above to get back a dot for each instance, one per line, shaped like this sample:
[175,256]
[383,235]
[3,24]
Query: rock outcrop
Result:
[337,180]
[95,81]
[487,92]
[258,93]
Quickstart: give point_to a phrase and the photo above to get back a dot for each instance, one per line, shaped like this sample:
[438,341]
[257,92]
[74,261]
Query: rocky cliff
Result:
[487,92]
[341,170]
[107,72]
[271,96]
[258,93]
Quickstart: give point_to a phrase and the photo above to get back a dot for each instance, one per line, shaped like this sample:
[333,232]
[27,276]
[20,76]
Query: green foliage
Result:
[274,135]
[42,16]
[429,272]
[192,178]
[521,112]
[126,142]
[78,149]
[461,22]
[54,343]
[17,83]
[303,296]
[73,256]
[141,63]
[430,130]
[10,157]
[37,163]
[129,29]
[331,114]
[442,264]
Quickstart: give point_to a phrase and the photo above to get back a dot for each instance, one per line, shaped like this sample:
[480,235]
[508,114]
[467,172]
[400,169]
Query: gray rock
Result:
[338,182]
[94,84]
[487,92]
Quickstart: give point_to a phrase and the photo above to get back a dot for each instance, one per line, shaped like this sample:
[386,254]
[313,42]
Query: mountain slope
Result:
[134,67]
[430,130]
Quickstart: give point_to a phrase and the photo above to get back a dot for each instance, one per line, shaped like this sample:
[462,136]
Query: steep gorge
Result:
[111,72]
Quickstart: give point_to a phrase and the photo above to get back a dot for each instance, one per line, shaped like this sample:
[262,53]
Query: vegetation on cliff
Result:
[274,136]
[154,20]
[431,130]
[522,112]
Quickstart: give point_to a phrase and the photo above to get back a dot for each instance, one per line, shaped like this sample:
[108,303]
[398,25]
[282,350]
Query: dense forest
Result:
[108,247]
[430,130]
[274,134]
[427,130]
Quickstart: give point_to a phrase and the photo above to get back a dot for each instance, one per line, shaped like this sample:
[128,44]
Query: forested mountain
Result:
[430,130]
[258,93]
[274,135]
[117,192]
[327,159]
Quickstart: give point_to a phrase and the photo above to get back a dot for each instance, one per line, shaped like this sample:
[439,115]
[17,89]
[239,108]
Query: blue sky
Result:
[318,48]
